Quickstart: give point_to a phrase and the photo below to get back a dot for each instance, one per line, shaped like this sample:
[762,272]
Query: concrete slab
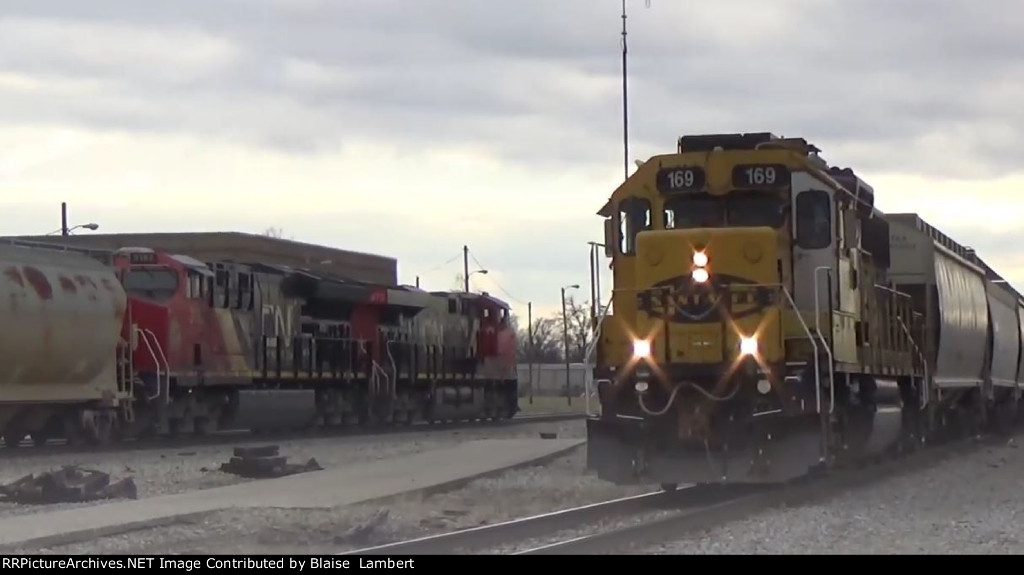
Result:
[377,481]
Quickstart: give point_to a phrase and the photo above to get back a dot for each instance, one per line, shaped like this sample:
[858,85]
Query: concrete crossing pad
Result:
[378,481]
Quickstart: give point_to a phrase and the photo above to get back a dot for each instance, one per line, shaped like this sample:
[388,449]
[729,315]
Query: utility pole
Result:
[565,343]
[530,350]
[64,219]
[465,266]
[418,281]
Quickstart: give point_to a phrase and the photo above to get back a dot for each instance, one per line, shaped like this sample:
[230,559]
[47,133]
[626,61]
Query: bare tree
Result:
[547,342]
[577,316]
[276,233]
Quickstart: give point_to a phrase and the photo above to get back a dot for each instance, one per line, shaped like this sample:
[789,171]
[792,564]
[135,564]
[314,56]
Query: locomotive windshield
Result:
[151,282]
[739,209]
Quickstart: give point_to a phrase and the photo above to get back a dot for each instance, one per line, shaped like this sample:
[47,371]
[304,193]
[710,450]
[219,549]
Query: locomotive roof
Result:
[470,295]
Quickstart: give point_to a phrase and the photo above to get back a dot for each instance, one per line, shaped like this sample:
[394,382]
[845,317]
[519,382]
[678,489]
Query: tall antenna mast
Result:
[625,97]
[625,100]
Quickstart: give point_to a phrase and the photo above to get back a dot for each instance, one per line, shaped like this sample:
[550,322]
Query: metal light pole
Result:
[595,280]
[565,340]
[530,350]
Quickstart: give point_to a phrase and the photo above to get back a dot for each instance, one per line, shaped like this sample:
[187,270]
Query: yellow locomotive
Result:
[756,334]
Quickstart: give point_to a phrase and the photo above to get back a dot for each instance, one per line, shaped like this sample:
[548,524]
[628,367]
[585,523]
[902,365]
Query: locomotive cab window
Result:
[701,211]
[157,283]
[738,209]
[634,217]
[195,286]
[813,220]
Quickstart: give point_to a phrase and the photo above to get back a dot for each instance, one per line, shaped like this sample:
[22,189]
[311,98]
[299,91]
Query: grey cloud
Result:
[921,85]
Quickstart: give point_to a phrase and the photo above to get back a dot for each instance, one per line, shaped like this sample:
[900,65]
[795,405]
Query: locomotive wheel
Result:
[39,438]
[13,437]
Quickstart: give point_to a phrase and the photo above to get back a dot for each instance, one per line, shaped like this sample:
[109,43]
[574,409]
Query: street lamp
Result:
[483,271]
[89,226]
[565,341]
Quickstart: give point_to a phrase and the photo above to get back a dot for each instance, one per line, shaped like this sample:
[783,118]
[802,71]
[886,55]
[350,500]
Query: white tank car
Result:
[61,316]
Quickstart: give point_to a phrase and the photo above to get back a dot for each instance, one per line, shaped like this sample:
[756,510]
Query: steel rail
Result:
[636,538]
[489,536]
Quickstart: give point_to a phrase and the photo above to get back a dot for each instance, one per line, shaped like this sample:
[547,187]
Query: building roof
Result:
[244,247]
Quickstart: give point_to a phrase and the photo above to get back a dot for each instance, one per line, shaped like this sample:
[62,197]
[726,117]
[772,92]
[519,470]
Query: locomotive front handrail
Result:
[591,348]
[161,388]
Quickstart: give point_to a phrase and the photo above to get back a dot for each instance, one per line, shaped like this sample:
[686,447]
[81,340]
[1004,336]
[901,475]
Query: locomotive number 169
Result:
[680,179]
[760,175]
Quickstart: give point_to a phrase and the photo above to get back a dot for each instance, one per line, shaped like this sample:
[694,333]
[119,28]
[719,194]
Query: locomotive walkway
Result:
[377,481]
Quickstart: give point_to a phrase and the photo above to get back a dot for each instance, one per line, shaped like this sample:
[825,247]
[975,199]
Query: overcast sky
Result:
[409,128]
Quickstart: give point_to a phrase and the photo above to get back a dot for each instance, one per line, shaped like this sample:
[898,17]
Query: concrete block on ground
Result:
[377,481]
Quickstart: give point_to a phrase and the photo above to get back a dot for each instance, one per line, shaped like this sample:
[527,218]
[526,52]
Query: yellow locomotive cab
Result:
[751,316]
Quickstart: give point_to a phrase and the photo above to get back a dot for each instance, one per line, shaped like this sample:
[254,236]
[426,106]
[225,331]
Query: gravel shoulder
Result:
[967,505]
[558,484]
[177,470]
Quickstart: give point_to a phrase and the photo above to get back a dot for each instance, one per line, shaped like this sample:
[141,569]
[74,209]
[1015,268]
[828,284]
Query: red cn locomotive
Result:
[248,345]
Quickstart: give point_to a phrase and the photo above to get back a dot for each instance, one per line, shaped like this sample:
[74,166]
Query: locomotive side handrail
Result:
[924,364]
[824,344]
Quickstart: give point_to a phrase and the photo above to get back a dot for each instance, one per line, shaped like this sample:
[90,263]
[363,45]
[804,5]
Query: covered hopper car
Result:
[147,343]
[769,320]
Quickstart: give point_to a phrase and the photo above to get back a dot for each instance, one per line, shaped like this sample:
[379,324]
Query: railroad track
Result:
[637,537]
[632,524]
[527,529]
[243,436]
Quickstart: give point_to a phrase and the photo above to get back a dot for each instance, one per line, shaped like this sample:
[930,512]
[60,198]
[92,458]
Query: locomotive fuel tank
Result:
[60,323]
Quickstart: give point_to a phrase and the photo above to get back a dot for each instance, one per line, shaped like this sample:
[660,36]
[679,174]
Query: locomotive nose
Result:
[703,295]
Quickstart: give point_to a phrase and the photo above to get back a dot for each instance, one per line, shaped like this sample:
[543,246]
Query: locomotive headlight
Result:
[700,275]
[700,259]
[748,346]
[641,348]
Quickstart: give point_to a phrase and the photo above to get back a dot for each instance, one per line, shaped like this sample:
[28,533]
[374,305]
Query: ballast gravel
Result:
[561,483]
[972,504]
[176,470]
[969,504]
